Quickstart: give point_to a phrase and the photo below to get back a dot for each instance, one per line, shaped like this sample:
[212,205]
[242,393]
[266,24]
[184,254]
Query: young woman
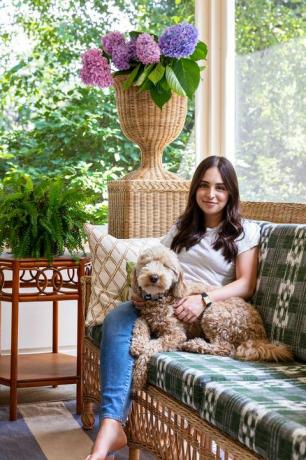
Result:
[215,246]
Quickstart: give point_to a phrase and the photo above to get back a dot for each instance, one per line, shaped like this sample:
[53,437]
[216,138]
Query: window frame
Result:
[215,97]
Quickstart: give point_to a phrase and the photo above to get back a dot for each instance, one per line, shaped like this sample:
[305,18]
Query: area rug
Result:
[47,430]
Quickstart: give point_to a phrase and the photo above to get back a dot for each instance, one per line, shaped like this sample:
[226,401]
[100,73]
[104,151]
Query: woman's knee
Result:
[122,317]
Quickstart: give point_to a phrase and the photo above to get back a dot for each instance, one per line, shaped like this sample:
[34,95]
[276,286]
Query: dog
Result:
[226,328]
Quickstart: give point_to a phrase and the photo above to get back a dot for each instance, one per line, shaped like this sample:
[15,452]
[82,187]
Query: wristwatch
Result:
[206,300]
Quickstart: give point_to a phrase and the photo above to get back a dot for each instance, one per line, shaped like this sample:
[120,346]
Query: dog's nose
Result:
[154,278]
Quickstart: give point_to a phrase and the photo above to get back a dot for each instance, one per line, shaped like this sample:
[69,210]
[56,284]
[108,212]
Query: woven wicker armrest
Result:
[86,291]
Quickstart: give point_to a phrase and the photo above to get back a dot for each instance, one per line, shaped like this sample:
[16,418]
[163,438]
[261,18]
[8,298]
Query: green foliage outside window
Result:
[52,124]
[270,102]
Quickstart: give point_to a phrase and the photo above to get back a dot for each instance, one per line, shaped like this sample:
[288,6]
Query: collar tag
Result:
[152,297]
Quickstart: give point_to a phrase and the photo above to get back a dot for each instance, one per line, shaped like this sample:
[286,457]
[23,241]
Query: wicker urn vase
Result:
[150,127]
[140,197]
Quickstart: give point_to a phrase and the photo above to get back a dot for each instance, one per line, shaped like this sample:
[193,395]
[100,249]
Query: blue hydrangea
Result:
[179,41]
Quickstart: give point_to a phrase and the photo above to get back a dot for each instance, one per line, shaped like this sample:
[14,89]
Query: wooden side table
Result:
[56,281]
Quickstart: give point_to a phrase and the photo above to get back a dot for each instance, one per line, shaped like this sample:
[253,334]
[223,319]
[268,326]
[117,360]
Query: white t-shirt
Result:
[202,263]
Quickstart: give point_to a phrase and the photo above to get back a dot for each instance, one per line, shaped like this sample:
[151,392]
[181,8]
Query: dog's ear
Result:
[134,284]
[179,288]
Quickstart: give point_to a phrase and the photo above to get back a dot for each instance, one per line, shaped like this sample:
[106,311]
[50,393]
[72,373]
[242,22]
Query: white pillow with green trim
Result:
[110,255]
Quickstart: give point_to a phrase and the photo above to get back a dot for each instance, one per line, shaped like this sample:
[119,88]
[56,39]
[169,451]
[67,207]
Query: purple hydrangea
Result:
[147,50]
[179,41]
[96,70]
[111,40]
[121,56]
[132,49]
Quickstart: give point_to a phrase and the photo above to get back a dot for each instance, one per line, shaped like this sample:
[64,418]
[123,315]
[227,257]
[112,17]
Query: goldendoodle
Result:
[227,328]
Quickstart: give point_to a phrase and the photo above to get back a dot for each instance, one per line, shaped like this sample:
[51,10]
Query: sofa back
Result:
[280,294]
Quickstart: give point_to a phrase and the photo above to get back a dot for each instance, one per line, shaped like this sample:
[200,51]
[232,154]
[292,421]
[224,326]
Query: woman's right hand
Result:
[137,301]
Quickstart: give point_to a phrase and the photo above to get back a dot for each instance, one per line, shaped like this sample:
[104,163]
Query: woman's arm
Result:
[245,283]
[189,308]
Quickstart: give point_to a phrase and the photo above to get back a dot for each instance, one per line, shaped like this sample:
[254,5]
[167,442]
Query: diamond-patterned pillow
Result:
[280,295]
[109,276]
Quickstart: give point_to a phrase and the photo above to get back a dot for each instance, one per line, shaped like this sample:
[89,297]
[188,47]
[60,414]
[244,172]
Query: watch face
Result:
[206,299]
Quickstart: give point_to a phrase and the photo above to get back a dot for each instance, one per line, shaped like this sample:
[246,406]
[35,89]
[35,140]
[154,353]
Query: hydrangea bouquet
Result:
[160,65]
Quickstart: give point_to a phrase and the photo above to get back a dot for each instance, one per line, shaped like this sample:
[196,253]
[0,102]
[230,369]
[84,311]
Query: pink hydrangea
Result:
[96,70]
[111,40]
[147,50]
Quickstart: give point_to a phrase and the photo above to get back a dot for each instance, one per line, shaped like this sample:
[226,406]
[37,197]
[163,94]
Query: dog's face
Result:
[157,270]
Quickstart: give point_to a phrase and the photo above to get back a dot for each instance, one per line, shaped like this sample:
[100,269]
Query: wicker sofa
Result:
[208,407]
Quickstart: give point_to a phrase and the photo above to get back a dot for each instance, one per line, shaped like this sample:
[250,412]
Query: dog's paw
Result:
[140,373]
[138,347]
[197,345]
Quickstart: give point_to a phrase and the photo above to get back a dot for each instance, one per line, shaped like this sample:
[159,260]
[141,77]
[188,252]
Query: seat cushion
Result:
[246,400]
[280,295]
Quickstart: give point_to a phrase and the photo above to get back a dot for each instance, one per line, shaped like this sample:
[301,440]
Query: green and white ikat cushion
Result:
[262,405]
[280,295]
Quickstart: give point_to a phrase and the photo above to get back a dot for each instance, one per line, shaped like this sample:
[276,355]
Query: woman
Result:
[214,246]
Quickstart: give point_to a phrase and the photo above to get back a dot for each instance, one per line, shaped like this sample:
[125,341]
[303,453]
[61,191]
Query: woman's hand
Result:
[188,309]
[137,301]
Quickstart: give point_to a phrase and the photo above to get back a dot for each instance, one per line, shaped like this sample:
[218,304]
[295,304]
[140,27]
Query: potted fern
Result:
[42,217]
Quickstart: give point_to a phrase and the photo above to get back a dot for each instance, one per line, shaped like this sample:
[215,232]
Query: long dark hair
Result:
[191,224]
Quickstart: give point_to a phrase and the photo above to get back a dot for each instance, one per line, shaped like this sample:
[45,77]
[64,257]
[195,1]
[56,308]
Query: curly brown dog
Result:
[227,328]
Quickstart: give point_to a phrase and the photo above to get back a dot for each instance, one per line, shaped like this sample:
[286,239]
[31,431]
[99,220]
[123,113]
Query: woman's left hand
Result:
[188,309]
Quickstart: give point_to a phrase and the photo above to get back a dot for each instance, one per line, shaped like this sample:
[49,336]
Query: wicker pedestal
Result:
[135,206]
[145,201]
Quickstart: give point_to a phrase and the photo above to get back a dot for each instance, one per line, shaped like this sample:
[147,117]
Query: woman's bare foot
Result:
[110,438]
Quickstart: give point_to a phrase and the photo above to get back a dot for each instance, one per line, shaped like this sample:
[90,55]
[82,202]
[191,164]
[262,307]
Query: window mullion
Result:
[215,98]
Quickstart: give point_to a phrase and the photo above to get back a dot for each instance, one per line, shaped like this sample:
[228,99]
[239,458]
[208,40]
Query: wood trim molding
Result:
[215,98]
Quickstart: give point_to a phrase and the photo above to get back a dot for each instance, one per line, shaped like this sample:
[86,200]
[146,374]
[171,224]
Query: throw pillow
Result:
[280,295]
[109,275]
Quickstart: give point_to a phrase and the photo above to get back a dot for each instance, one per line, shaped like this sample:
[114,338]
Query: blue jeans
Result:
[116,366]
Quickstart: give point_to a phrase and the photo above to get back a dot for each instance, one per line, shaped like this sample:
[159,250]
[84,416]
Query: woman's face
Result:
[212,196]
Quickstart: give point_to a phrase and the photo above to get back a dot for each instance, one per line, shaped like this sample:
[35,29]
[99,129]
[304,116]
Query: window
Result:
[270,67]
[251,106]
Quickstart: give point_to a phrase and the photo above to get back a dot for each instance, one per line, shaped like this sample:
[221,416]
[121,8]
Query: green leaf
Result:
[17,67]
[173,82]
[157,74]
[164,84]
[131,77]
[143,75]
[159,95]
[200,52]
[134,34]
[147,85]
[188,74]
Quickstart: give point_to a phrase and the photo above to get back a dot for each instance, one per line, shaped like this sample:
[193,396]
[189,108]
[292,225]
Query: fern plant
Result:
[42,217]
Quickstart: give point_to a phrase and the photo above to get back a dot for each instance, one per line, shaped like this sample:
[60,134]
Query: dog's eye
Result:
[144,259]
[171,269]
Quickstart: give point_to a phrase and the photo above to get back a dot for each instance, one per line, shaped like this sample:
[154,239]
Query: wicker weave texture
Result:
[145,208]
[173,431]
[287,213]
[150,127]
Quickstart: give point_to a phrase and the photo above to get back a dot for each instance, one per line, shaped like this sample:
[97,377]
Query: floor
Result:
[61,393]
